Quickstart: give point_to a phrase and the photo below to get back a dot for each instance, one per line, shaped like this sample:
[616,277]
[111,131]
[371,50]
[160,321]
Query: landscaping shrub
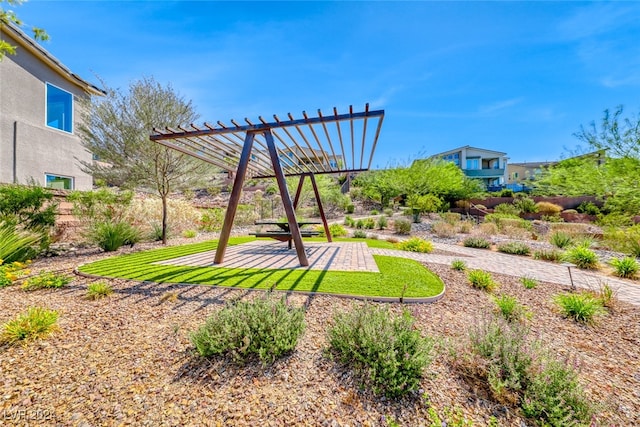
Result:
[375,212]
[266,327]
[582,257]
[450,217]
[11,272]
[212,219]
[349,222]
[443,229]
[552,255]
[547,208]
[481,280]
[465,227]
[388,212]
[582,307]
[350,208]
[607,296]
[624,239]
[560,239]
[189,234]
[336,230]
[625,267]
[506,192]
[359,234]
[382,223]
[28,207]
[245,215]
[369,223]
[529,282]
[526,205]
[97,290]
[506,208]
[386,352]
[46,280]
[17,245]
[476,242]
[36,323]
[488,229]
[359,224]
[415,244]
[402,226]
[510,308]
[588,208]
[458,265]
[110,236]
[514,248]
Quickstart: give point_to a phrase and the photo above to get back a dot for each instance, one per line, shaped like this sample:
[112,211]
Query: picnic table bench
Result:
[283,234]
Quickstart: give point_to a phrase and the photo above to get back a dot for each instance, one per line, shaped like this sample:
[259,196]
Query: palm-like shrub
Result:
[36,323]
[625,267]
[17,245]
[582,257]
[560,239]
[581,307]
[110,236]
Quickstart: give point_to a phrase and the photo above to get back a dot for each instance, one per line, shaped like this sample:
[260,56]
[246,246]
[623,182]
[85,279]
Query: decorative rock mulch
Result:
[127,360]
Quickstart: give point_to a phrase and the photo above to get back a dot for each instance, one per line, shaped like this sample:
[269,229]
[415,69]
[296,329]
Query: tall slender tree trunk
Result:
[164,218]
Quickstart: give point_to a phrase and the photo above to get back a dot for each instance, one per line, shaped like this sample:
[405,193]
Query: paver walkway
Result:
[520,266]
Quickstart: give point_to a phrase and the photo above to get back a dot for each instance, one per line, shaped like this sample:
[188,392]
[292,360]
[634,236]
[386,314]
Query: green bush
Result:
[560,239]
[510,308]
[415,244]
[350,208]
[582,257]
[97,290]
[359,224]
[189,234]
[625,267]
[548,255]
[36,323]
[581,307]
[476,242]
[369,223]
[110,236]
[514,248]
[588,208]
[529,282]
[11,272]
[624,239]
[336,230]
[46,280]
[506,192]
[24,206]
[547,208]
[359,234]
[387,352]
[402,226]
[506,208]
[458,265]
[525,205]
[102,205]
[17,245]
[375,212]
[382,223]
[212,219]
[388,212]
[266,327]
[481,280]
[349,222]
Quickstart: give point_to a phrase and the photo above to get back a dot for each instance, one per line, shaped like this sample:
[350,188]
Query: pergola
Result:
[331,144]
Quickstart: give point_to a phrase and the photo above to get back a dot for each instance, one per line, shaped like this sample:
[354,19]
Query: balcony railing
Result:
[484,173]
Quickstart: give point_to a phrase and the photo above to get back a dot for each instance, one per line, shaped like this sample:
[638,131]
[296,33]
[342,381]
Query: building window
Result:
[59,109]
[59,182]
[473,163]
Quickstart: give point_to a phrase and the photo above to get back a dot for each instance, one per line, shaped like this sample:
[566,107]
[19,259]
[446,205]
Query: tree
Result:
[380,185]
[116,130]
[618,136]
[9,16]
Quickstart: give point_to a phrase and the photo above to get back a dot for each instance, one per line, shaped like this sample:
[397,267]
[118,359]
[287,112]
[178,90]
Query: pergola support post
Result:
[320,209]
[294,228]
[234,198]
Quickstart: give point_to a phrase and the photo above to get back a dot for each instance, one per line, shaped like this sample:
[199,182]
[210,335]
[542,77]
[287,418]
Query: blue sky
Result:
[518,77]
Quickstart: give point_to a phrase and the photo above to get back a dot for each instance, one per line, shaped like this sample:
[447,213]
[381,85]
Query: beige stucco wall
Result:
[40,149]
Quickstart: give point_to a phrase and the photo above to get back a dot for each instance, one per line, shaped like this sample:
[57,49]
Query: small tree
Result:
[116,130]
[9,16]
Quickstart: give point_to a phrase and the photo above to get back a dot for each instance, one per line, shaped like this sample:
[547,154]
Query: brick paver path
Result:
[520,266]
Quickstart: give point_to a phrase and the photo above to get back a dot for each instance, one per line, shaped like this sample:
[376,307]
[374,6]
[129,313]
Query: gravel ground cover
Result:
[127,360]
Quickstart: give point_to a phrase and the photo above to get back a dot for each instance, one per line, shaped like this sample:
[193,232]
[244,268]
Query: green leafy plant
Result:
[476,242]
[625,267]
[359,234]
[350,208]
[514,248]
[552,255]
[581,307]
[110,236]
[11,272]
[369,223]
[388,212]
[402,226]
[211,220]
[607,296]
[507,208]
[624,239]
[359,224]
[29,207]
[529,282]
[480,279]
[36,323]
[415,244]
[97,290]
[375,212]
[526,205]
[17,245]
[336,230]
[458,265]
[266,327]
[46,280]
[189,234]
[387,352]
[588,208]
[510,308]
[382,222]
[582,257]
[560,239]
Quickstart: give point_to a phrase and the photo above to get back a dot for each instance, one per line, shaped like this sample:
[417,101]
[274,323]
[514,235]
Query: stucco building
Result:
[486,165]
[40,106]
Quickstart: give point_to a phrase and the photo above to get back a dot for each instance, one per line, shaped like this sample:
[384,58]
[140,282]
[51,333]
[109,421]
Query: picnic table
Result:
[283,234]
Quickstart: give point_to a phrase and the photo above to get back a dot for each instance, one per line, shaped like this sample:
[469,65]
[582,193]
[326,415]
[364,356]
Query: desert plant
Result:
[624,239]
[625,267]
[336,230]
[465,227]
[450,217]
[607,296]
[549,209]
[97,290]
[382,222]
[369,223]
[359,234]
[11,272]
[350,208]
[388,212]
[266,327]
[488,229]
[443,229]
[46,280]
[582,257]
[387,352]
[510,308]
[458,265]
[548,255]
[189,234]
[476,242]
[359,224]
[560,239]
[529,282]
[110,236]
[415,244]
[402,226]
[526,205]
[514,248]
[581,307]
[507,208]
[349,222]
[588,208]
[17,245]
[211,220]
[375,212]
[36,323]
[480,279]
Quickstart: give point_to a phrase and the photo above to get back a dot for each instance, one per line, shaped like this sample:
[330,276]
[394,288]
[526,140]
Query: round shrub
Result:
[476,242]
[582,257]
[625,267]
[402,226]
[480,279]
[415,244]
[514,248]
[547,208]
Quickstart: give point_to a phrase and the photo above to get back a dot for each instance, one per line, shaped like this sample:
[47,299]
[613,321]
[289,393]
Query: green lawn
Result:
[394,274]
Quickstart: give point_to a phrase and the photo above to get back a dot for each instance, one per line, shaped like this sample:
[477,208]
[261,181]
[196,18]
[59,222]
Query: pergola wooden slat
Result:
[259,150]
